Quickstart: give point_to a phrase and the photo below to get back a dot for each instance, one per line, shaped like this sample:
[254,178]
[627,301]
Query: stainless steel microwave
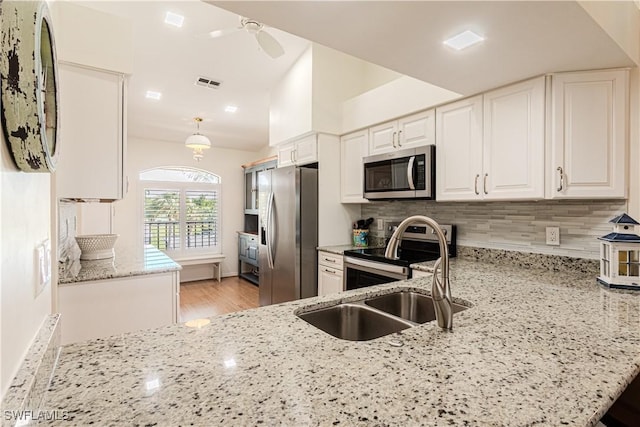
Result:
[402,174]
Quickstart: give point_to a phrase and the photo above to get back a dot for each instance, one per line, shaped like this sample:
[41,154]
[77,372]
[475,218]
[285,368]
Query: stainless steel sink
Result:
[409,305]
[354,322]
[375,317]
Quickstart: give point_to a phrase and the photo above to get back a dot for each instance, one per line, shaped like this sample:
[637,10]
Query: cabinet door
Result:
[243,247]
[250,191]
[91,126]
[417,130]
[329,281]
[513,161]
[306,150]
[353,148]
[382,138]
[285,154]
[459,150]
[589,120]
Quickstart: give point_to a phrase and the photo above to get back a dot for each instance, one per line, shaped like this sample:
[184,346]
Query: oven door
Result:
[360,273]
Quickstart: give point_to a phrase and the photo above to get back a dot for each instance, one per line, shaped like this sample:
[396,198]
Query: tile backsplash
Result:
[515,226]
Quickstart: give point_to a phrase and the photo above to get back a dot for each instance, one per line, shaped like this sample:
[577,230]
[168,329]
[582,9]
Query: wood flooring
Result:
[206,298]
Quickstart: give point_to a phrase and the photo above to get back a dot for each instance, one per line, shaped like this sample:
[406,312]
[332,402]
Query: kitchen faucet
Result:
[440,287]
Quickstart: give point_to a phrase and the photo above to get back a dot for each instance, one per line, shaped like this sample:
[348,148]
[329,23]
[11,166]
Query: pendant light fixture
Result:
[197,142]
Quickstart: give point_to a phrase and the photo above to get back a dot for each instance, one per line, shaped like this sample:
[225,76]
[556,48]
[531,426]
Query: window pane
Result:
[634,256]
[201,219]
[162,218]
[623,256]
[622,269]
[605,264]
[633,270]
[179,175]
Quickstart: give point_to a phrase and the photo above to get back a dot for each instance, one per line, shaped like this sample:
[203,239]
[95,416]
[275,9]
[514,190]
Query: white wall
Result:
[25,222]
[146,154]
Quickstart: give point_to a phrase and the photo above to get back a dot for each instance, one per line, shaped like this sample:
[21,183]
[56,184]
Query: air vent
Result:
[207,82]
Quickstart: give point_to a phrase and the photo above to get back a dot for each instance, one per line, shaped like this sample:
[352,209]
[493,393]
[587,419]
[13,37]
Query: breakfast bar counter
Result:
[535,348]
[127,262]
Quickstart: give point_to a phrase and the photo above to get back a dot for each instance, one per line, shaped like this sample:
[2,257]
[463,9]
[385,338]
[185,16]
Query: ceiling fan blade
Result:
[269,44]
[219,33]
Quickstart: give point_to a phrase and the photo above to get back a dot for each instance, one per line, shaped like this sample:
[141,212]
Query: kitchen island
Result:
[536,348]
[134,290]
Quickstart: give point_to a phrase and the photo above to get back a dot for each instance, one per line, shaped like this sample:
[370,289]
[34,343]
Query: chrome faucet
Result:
[440,287]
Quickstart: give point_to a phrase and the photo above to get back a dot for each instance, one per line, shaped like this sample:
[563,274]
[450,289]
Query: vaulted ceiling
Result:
[522,38]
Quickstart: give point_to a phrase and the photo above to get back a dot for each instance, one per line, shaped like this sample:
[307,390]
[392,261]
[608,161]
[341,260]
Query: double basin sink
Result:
[376,316]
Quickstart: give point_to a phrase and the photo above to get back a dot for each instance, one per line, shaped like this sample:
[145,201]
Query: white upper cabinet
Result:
[92,130]
[513,157]
[353,148]
[299,152]
[491,146]
[589,120]
[459,150]
[382,138]
[412,131]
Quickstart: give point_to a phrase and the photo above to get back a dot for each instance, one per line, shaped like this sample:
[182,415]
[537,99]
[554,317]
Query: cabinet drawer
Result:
[330,260]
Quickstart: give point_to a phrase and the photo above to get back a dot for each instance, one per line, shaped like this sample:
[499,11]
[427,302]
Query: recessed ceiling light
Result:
[153,95]
[230,108]
[463,40]
[174,19]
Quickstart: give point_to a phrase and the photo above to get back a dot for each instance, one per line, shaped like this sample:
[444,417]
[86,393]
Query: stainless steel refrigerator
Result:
[288,206]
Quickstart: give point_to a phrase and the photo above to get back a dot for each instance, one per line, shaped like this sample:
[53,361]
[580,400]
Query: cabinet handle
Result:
[484,184]
[330,271]
[291,156]
[399,133]
[561,179]
[475,185]
[393,139]
[330,260]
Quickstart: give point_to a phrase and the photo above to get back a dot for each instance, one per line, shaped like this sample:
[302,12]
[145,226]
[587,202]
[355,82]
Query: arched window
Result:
[181,210]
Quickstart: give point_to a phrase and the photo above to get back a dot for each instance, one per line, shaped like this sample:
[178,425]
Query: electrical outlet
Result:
[553,236]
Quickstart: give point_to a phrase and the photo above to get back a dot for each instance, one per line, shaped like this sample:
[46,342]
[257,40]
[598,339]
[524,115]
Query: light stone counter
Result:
[537,348]
[126,262]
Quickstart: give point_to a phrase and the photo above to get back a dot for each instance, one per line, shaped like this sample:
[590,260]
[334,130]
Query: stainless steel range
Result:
[368,266]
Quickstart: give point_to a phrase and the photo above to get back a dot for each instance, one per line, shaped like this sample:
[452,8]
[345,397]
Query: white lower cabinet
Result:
[330,269]
[102,308]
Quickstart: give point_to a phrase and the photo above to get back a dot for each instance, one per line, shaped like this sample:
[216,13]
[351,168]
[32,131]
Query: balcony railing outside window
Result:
[165,235]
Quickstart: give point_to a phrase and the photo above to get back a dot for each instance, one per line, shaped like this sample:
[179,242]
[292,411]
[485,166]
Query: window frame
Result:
[183,252]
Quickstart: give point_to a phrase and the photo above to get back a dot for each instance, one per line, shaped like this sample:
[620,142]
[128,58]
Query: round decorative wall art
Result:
[29,84]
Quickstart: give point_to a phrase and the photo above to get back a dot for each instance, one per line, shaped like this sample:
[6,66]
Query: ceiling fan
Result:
[267,42]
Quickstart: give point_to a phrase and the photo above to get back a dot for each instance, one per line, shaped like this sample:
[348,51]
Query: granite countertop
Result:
[126,262]
[536,348]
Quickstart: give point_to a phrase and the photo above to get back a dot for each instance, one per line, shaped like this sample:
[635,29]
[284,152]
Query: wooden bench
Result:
[215,260]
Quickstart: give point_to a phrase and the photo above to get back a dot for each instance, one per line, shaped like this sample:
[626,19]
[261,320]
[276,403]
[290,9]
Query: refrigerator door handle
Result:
[269,230]
[273,228]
